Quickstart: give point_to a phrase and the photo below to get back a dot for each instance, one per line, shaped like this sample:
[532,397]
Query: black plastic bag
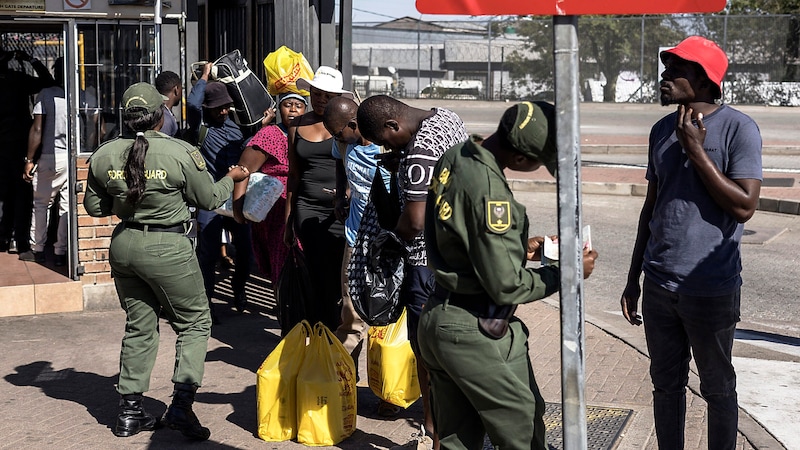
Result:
[293,291]
[387,203]
[379,302]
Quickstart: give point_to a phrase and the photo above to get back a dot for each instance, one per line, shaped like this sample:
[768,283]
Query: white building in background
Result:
[420,54]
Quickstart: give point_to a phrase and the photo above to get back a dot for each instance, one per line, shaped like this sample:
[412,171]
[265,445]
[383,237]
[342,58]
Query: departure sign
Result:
[566,7]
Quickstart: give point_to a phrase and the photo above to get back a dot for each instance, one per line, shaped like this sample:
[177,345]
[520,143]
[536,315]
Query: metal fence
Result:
[619,61]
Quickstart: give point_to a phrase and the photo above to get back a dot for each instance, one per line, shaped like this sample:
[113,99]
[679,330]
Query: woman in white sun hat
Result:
[310,190]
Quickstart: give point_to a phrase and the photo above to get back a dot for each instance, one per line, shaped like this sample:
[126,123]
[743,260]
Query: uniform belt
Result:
[179,228]
[478,304]
[474,303]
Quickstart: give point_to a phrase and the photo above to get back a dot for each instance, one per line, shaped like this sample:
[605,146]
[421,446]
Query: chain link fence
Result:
[511,57]
[46,47]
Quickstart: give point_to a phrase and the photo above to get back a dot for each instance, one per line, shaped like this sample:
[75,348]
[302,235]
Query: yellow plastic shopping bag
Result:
[284,66]
[326,391]
[276,386]
[391,364]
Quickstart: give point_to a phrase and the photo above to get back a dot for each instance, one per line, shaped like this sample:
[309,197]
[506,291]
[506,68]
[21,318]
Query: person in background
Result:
[418,137]
[46,169]
[153,263]
[16,196]
[169,85]
[310,190]
[267,152]
[221,143]
[475,349]
[704,179]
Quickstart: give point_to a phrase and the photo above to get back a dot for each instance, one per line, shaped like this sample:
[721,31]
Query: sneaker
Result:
[61,260]
[32,256]
[419,441]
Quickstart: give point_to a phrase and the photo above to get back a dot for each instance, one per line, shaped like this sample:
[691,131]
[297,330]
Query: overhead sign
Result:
[73,5]
[566,7]
[22,5]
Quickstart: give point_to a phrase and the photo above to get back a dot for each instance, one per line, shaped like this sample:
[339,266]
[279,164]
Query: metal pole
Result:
[369,74]
[418,56]
[346,42]
[72,93]
[502,68]
[182,74]
[573,405]
[157,29]
[641,66]
[430,70]
[489,60]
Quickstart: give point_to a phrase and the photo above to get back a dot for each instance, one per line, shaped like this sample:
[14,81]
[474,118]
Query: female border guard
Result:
[474,347]
[149,181]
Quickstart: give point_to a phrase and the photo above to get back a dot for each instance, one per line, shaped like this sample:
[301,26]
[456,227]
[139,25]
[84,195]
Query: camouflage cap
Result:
[533,133]
[141,98]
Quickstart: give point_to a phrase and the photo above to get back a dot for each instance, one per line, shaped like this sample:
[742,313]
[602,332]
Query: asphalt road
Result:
[625,122]
[770,259]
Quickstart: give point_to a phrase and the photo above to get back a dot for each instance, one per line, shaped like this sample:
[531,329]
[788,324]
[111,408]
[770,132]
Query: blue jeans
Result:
[417,288]
[674,324]
[209,242]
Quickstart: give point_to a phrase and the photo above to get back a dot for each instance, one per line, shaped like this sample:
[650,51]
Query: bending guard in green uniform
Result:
[149,180]
[475,349]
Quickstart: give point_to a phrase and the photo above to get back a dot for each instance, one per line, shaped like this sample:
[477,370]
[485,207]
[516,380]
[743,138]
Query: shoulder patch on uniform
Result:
[198,159]
[498,215]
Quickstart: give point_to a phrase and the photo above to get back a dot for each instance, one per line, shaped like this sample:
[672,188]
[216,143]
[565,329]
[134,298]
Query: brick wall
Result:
[94,237]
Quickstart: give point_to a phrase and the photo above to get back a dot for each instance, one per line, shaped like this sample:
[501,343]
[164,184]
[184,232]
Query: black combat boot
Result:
[179,415]
[132,417]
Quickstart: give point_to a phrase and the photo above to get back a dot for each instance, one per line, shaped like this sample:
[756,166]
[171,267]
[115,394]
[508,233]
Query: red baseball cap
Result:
[704,52]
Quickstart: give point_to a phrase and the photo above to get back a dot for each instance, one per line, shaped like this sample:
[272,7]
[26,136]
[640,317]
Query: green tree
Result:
[791,57]
[609,45]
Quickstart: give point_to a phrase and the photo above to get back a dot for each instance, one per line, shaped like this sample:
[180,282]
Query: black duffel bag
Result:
[250,97]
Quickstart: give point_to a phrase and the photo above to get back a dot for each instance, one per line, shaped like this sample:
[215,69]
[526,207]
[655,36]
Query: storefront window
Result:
[111,57]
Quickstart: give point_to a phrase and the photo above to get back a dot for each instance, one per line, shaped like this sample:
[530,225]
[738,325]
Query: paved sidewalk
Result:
[60,370]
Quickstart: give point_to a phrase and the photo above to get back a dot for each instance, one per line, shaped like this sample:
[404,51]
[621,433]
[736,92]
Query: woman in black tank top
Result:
[310,189]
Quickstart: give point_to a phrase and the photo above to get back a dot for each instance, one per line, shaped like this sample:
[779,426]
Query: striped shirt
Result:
[435,135]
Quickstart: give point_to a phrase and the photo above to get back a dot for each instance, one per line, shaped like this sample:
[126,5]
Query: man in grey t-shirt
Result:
[704,179]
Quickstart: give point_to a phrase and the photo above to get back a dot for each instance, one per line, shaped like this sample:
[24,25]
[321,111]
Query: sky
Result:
[386,10]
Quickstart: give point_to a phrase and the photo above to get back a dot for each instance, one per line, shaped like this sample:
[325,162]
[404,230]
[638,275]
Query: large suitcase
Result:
[250,97]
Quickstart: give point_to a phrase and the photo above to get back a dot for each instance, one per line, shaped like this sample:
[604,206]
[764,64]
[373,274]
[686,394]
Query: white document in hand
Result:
[550,250]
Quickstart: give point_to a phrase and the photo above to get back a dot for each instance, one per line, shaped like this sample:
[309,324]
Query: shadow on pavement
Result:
[84,388]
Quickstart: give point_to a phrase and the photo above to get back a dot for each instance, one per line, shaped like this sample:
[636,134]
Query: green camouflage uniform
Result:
[154,269]
[476,236]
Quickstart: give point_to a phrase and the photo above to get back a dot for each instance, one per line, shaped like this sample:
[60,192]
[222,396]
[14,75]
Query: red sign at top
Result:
[566,7]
